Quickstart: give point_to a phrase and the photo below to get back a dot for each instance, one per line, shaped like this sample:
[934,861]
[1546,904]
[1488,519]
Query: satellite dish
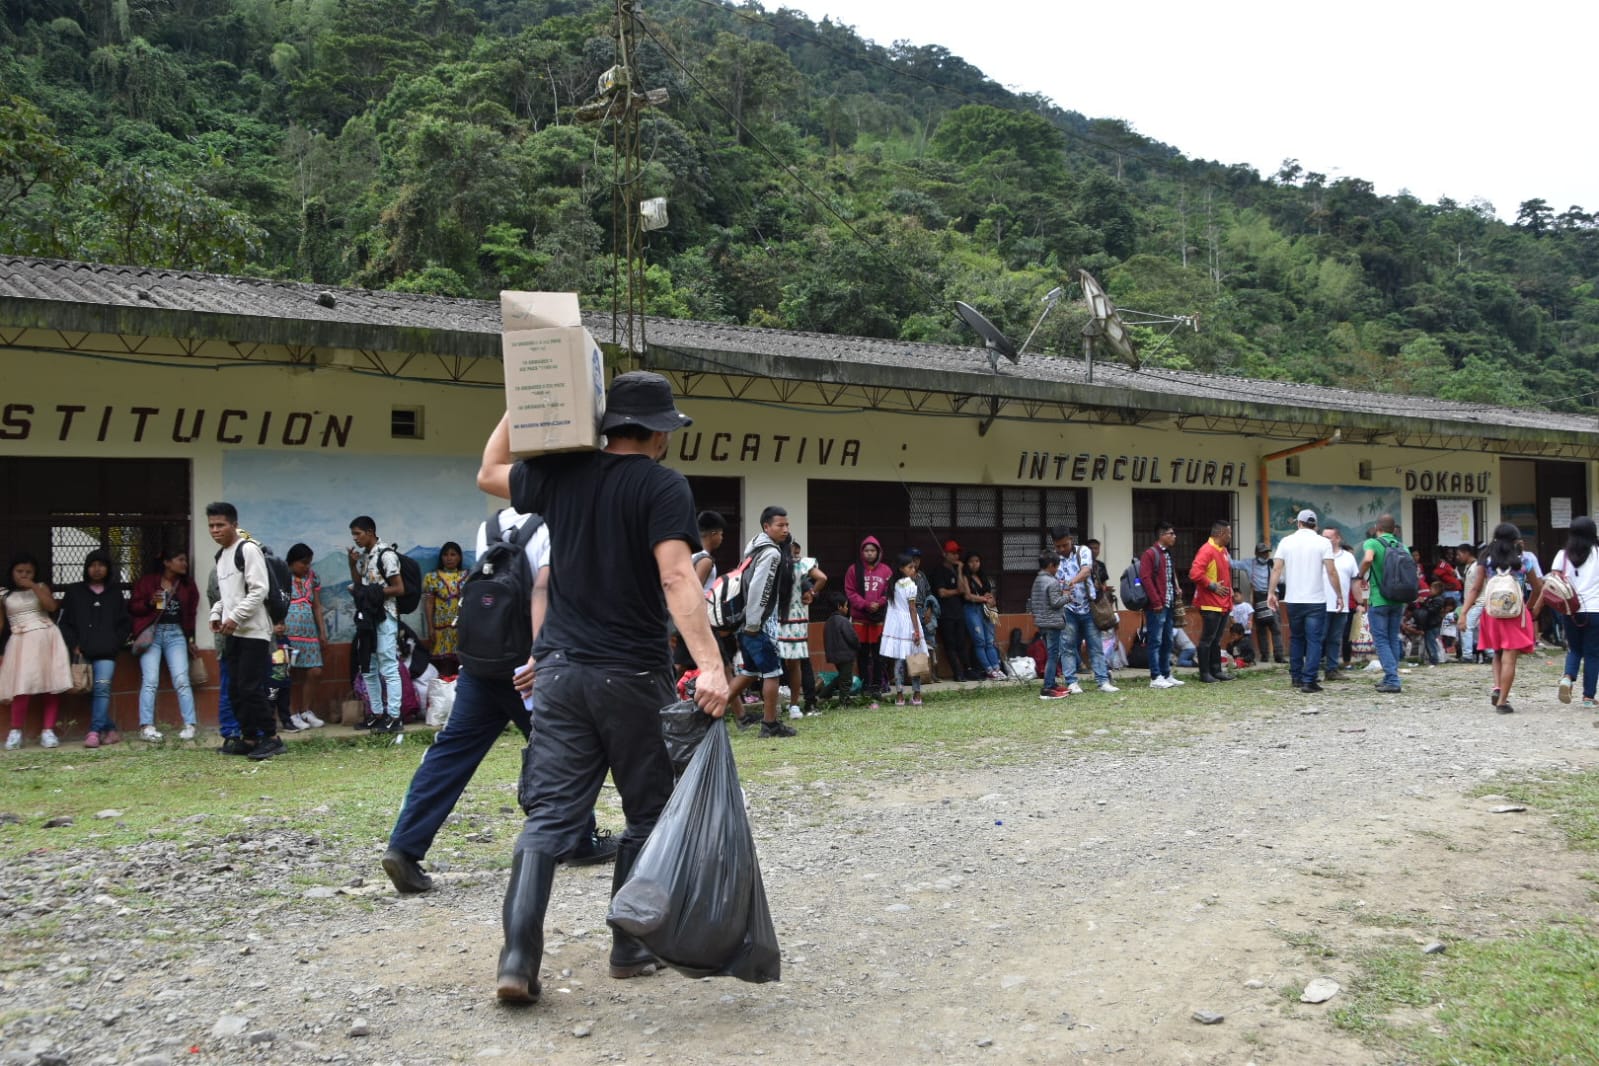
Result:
[996,342]
[1105,329]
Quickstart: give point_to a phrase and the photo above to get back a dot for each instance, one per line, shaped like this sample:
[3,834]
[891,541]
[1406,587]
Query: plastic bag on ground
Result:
[695,896]
[441,700]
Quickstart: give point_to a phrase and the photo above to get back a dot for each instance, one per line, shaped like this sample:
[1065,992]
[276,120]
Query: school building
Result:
[132,397]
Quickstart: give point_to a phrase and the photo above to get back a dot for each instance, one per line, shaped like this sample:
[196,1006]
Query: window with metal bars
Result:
[60,510]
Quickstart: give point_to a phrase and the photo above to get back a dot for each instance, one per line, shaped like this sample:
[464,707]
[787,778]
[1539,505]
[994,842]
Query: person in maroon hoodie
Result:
[163,606]
[866,585]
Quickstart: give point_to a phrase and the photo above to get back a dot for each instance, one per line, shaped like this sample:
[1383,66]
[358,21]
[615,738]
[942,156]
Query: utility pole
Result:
[618,104]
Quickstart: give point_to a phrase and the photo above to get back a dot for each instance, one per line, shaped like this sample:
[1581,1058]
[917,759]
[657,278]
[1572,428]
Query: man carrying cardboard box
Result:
[622,533]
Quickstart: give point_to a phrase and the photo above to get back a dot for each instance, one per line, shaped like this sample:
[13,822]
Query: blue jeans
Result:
[982,631]
[1080,629]
[172,644]
[100,713]
[1431,644]
[1307,629]
[1157,637]
[1468,635]
[1337,625]
[1582,650]
[1388,639]
[385,667]
[482,709]
[1051,656]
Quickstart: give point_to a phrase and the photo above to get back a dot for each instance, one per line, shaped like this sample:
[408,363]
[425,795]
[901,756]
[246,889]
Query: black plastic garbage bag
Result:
[683,727]
[695,896]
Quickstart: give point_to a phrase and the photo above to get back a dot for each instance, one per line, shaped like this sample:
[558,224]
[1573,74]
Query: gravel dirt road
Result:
[1078,905]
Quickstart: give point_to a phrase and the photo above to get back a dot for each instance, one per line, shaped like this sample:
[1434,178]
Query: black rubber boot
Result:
[526,899]
[629,957]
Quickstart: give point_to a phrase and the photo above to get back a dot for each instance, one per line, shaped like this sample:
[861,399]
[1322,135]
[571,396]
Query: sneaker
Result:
[234,746]
[794,711]
[1106,686]
[749,718]
[272,745]
[1334,674]
[186,733]
[1565,689]
[1052,694]
[111,736]
[310,718]
[369,721]
[389,726]
[916,701]
[1310,687]
[1160,682]
[150,733]
[1172,682]
[48,739]
[406,876]
[1074,689]
[1588,704]
[14,740]
[297,723]
[872,706]
[899,699]
[1391,689]
[91,739]
[775,729]
[600,847]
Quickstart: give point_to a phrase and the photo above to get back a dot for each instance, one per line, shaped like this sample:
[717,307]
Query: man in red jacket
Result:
[1212,575]
[1158,574]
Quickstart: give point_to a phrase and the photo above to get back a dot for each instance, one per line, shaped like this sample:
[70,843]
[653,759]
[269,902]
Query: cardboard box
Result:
[554,374]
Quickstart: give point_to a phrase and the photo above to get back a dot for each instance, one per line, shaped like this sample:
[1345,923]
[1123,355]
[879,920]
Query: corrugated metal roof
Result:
[404,322]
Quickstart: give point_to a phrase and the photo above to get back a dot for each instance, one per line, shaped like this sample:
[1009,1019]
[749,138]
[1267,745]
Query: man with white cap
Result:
[1303,566]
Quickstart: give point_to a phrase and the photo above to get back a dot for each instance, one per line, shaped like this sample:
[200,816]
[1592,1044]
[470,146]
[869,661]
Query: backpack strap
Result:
[525,531]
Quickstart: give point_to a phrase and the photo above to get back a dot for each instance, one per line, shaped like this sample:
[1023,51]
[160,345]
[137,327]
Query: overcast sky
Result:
[1461,99]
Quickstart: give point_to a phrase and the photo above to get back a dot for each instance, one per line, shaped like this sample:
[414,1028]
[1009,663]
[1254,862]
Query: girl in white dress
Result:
[902,629]
[36,660]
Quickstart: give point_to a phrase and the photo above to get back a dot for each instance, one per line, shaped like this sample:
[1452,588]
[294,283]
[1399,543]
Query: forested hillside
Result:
[815,182]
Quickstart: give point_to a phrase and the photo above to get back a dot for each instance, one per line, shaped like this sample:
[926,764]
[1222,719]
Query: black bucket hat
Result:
[640,398]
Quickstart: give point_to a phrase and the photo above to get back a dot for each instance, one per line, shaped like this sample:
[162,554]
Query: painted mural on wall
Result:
[417,503]
[1351,509]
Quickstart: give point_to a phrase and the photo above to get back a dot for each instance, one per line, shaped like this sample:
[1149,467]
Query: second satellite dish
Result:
[1105,329]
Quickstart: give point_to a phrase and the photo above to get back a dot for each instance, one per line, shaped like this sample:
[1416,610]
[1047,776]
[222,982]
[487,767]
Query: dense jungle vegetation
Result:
[815,180]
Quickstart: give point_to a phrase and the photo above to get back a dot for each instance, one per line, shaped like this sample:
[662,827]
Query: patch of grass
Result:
[1511,1002]
[1309,943]
[176,792]
[1571,800]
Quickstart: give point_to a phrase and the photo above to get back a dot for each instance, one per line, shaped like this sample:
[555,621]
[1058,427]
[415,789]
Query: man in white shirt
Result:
[1340,608]
[483,705]
[1303,564]
[240,614]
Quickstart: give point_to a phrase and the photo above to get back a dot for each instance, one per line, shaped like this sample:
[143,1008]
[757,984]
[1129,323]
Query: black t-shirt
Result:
[606,514]
[945,577]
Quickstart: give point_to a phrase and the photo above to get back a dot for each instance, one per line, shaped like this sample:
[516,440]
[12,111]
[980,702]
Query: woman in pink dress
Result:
[36,660]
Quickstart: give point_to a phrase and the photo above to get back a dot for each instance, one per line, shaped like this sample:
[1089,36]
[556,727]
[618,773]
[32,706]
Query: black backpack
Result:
[1397,582]
[410,596]
[494,626]
[279,580]
[1134,596]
